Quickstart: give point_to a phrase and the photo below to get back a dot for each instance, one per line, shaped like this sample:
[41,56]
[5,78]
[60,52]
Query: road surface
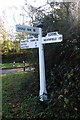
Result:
[6,71]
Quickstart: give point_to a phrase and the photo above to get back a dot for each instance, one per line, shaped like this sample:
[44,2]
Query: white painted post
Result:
[50,38]
[43,91]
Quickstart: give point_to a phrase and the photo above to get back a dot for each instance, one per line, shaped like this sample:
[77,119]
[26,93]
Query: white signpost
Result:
[32,42]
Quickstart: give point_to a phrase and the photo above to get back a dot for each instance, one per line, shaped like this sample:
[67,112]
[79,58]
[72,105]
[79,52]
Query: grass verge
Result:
[20,97]
[20,100]
[12,65]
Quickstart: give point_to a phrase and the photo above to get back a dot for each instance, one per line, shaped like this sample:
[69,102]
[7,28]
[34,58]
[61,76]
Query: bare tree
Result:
[3,32]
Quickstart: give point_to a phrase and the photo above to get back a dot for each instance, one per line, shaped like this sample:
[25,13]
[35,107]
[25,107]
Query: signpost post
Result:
[38,43]
[43,91]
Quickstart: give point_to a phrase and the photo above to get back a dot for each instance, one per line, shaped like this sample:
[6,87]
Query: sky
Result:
[7,9]
[10,10]
[8,3]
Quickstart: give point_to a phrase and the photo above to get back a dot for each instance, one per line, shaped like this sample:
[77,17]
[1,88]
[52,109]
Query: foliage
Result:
[20,101]
[29,56]
[63,64]
[9,47]
[17,95]
[3,31]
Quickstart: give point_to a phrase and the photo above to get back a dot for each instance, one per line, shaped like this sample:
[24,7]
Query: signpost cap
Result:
[39,25]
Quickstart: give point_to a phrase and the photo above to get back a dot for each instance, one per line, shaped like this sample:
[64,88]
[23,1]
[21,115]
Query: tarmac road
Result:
[7,71]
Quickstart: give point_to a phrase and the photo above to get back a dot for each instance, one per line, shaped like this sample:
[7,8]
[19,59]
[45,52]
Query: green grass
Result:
[20,92]
[19,95]
[11,65]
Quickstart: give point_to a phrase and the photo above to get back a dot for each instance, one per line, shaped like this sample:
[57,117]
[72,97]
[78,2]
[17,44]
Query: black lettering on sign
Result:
[20,28]
[32,40]
[28,29]
[50,39]
[44,39]
[27,46]
[54,38]
[34,30]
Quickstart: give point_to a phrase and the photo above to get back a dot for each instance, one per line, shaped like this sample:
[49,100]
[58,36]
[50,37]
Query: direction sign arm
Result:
[27,29]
